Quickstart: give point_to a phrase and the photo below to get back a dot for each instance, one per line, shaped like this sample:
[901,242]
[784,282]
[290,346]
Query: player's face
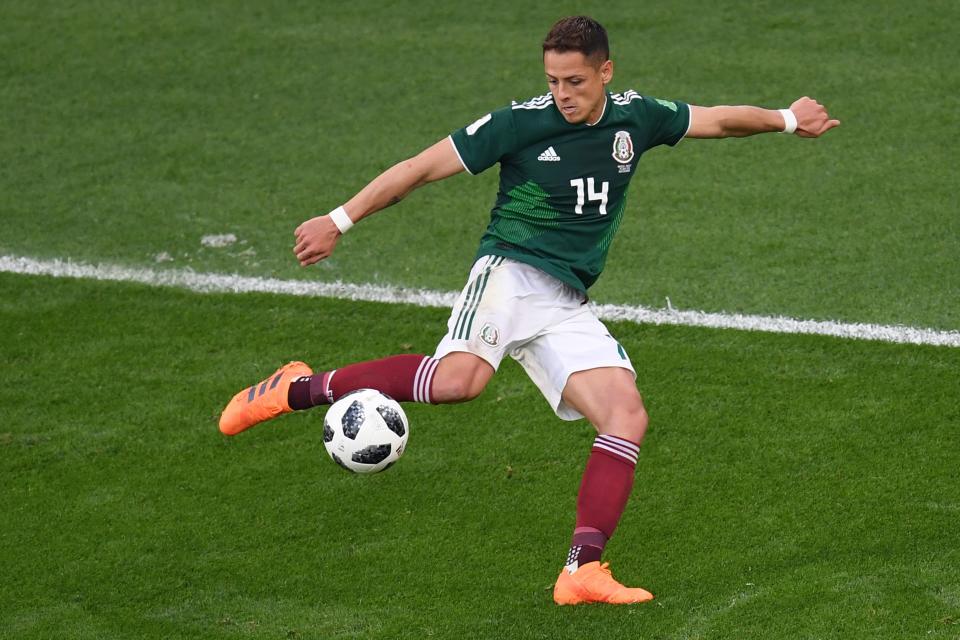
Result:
[577,84]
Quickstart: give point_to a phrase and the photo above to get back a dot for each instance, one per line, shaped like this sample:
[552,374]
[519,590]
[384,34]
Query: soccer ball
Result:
[365,431]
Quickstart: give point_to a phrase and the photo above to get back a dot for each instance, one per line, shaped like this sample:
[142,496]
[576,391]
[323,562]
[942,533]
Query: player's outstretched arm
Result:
[737,122]
[317,237]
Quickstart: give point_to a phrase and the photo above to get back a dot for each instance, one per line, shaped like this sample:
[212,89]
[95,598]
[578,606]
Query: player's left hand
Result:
[812,118]
[316,239]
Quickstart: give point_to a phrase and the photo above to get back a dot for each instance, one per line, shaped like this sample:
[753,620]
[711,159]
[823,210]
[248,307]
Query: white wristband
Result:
[341,219]
[789,121]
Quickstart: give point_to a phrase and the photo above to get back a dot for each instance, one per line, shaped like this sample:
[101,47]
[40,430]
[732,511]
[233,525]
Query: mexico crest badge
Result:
[622,147]
[490,334]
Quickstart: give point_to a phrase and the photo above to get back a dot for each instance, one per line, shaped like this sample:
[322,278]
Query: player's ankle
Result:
[307,392]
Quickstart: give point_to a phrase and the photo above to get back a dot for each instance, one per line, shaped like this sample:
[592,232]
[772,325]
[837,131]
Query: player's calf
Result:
[457,377]
[405,378]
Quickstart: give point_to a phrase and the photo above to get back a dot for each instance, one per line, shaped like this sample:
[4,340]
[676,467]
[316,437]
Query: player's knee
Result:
[629,423]
[633,424]
[456,387]
[460,377]
[640,422]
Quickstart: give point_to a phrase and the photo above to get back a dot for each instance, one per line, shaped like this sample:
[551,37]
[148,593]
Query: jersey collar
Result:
[602,112]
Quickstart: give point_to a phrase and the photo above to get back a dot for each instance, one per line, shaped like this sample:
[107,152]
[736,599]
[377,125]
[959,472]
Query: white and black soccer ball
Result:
[365,431]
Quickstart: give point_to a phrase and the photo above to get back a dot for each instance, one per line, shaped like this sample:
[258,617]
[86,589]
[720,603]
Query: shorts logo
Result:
[490,334]
[622,147]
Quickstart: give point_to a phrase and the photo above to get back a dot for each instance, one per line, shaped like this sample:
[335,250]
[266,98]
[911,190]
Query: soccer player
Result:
[566,159]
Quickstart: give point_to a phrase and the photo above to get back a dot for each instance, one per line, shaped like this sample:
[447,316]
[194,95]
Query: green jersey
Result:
[563,186]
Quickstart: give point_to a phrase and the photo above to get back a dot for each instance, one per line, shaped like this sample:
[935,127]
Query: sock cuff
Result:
[423,380]
[325,385]
[588,536]
[618,448]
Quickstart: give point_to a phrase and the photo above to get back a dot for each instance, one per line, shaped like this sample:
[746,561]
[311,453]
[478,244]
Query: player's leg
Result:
[463,364]
[457,377]
[584,372]
[609,399]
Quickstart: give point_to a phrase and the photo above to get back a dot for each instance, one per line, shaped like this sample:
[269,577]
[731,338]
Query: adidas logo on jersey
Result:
[549,156]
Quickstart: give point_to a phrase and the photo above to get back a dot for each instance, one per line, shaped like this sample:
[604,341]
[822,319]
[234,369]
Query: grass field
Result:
[790,487]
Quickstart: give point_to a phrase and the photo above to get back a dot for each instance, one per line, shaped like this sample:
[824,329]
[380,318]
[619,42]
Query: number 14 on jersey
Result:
[587,190]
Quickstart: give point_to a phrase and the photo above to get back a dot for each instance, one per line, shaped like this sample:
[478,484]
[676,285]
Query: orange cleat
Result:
[265,400]
[593,582]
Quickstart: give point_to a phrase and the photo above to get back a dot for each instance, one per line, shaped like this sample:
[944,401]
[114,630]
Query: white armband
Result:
[789,120]
[341,219]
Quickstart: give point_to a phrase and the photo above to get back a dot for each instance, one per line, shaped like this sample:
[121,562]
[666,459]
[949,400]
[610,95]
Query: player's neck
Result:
[599,117]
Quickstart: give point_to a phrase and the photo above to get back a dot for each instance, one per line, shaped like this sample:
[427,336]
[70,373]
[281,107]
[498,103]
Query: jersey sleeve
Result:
[669,120]
[483,143]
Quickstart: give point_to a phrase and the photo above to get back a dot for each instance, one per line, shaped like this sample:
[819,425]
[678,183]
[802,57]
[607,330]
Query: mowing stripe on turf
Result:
[231,283]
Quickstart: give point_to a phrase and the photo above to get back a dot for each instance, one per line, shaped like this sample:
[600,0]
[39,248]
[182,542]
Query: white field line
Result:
[229,283]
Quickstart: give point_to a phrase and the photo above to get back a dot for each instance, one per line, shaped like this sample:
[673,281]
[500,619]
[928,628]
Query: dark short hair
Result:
[579,33]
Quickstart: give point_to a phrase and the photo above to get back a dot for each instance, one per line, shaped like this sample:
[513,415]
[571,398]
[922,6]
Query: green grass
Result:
[131,132]
[792,487]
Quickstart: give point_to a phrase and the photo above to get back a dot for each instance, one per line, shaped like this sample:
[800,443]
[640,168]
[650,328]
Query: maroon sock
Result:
[604,491]
[405,378]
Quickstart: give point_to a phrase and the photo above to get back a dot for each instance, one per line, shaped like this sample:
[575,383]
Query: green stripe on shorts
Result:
[468,312]
[468,302]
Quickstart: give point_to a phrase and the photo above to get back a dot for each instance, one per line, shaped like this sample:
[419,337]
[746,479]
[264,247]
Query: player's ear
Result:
[606,71]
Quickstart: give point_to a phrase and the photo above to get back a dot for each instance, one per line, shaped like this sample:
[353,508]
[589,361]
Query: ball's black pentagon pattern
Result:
[372,455]
[366,452]
[337,459]
[392,417]
[353,419]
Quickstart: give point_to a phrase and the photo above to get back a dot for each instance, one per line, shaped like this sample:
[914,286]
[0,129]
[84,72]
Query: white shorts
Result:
[543,323]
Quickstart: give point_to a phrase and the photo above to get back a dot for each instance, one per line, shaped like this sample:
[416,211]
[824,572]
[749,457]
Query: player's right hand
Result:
[316,239]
